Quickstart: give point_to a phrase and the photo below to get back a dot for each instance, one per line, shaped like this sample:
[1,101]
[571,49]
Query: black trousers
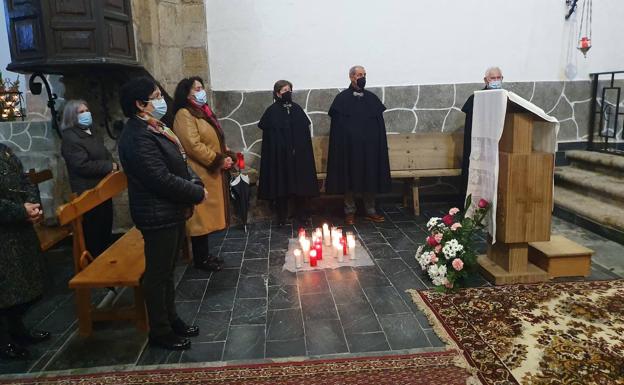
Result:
[201,248]
[97,225]
[162,248]
[11,321]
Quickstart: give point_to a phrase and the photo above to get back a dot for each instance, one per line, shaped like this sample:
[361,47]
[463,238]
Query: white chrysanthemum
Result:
[452,248]
[437,274]
[433,222]
[425,259]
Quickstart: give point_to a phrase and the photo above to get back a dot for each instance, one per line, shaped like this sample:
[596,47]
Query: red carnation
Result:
[431,241]
[483,203]
[447,219]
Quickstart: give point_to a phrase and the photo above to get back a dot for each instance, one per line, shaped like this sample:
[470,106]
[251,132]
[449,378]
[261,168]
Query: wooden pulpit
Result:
[525,202]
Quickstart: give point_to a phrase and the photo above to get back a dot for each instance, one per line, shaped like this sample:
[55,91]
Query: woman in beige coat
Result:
[201,136]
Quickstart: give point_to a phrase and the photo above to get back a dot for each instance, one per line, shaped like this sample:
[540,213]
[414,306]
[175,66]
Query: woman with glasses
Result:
[162,193]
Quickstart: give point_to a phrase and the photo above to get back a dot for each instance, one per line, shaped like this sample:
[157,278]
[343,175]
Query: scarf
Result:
[158,127]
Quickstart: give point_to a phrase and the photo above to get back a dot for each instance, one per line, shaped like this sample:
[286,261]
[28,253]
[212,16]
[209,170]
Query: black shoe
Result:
[31,336]
[170,342]
[212,258]
[183,330]
[13,352]
[207,265]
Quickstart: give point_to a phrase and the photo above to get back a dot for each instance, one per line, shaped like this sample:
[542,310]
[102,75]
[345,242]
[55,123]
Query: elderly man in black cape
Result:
[493,80]
[287,169]
[358,149]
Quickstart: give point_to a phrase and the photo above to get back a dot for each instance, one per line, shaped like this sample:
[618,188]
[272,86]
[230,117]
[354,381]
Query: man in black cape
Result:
[493,80]
[287,167]
[358,149]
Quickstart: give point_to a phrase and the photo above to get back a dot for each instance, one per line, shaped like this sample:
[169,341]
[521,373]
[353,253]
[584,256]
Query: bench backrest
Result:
[421,151]
[72,212]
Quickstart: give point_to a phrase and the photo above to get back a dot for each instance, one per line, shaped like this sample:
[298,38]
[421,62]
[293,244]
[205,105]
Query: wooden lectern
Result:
[525,193]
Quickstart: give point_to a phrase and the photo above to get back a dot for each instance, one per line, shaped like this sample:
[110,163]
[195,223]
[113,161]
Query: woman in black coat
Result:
[287,167]
[162,192]
[87,161]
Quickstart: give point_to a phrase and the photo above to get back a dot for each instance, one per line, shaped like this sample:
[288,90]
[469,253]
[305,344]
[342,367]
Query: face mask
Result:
[84,119]
[361,83]
[287,97]
[200,97]
[495,84]
[160,108]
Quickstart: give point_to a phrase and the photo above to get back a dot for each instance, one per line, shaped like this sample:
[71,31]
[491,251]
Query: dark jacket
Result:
[87,160]
[160,189]
[21,263]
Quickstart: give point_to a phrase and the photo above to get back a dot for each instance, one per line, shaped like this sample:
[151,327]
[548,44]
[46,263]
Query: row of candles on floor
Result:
[337,245]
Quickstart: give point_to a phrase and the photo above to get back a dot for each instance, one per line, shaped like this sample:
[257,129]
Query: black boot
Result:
[182,329]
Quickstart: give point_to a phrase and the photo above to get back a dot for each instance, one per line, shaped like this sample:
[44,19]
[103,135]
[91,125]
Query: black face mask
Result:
[361,83]
[286,97]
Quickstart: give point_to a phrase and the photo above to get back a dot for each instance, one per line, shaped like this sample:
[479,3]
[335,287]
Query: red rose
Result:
[431,241]
[447,219]
[483,203]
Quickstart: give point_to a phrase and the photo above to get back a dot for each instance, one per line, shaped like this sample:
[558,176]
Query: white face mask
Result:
[160,108]
[495,84]
[200,97]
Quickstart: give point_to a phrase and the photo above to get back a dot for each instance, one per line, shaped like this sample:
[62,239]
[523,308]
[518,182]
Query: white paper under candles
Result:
[305,245]
[298,261]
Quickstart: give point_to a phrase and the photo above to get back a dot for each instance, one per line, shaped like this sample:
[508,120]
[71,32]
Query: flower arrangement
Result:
[448,253]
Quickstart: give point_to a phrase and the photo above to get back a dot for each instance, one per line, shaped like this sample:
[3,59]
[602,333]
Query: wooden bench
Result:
[121,265]
[48,235]
[412,156]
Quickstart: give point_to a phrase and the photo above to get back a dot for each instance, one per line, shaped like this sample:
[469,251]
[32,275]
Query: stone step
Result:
[602,213]
[608,164]
[606,188]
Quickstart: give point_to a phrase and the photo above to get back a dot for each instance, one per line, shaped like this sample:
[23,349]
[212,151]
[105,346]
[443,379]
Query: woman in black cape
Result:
[287,168]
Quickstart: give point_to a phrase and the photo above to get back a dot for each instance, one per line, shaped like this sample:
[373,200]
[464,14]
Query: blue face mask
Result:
[200,97]
[160,108]
[84,119]
[495,84]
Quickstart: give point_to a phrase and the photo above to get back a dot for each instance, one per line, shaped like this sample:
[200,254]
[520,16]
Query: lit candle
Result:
[338,251]
[302,232]
[305,246]
[351,244]
[298,259]
[326,235]
[313,258]
[343,242]
[319,233]
[318,247]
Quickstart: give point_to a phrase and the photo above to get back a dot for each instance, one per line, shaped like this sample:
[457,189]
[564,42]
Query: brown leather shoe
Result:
[349,219]
[375,218]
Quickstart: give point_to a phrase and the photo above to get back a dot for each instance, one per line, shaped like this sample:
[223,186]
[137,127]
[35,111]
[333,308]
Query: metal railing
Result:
[608,110]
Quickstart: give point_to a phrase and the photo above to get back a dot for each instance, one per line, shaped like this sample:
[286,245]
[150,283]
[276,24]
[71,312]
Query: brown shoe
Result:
[375,218]
[349,219]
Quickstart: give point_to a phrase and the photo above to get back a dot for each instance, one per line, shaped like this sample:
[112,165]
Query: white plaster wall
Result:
[252,43]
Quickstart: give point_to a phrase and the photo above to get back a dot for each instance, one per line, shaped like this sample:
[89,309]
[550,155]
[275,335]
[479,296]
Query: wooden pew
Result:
[121,265]
[412,156]
[48,235]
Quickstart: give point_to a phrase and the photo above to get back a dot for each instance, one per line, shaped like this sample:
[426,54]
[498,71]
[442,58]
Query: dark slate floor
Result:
[254,310]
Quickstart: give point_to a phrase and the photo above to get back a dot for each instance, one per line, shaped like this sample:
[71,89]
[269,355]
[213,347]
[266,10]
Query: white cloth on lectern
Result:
[488,120]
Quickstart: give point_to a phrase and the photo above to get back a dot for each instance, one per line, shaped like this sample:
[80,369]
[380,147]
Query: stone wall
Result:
[171,39]
[418,108]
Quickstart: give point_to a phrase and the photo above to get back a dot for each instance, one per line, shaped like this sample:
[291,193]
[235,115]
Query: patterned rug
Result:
[448,368]
[563,333]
